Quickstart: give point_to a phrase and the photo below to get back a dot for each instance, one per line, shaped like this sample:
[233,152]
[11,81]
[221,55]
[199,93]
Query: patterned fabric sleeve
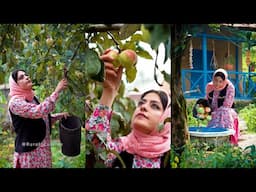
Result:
[21,107]
[230,94]
[98,134]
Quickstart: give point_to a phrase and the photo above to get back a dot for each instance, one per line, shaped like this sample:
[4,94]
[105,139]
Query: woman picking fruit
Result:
[148,143]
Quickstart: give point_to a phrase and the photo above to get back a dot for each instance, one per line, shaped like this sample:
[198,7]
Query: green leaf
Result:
[167,46]
[128,45]
[1,77]
[93,63]
[131,74]
[128,29]
[158,33]
[167,76]
[37,29]
[145,34]
[143,53]
[136,37]
[100,76]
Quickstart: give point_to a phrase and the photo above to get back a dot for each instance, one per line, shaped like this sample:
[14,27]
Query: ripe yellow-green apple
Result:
[207,109]
[200,110]
[113,54]
[35,43]
[128,58]
[49,41]
[209,117]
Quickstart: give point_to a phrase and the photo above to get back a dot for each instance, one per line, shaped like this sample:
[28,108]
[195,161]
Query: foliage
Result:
[49,52]
[7,147]
[45,51]
[158,33]
[62,161]
[203,155]
[58,159]
[3,102]
[247,113]
[240,107]
[192,121]
[223,156]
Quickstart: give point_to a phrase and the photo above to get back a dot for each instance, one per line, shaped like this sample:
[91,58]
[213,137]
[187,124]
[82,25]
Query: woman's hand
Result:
[112,82]
[64,115]
[61,115]
[61,85]
[113,75]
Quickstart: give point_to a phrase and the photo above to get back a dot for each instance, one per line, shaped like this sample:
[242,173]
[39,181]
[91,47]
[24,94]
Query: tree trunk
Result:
[179,130]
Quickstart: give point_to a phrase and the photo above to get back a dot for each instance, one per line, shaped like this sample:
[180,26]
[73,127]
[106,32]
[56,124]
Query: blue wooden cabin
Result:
[208,51]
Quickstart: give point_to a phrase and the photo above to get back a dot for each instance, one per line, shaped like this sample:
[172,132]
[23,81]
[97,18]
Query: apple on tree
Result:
[127,58]
[49,41]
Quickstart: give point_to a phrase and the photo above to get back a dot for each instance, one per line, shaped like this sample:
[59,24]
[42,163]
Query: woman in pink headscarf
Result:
[220,93]
[148,143]
[32,121]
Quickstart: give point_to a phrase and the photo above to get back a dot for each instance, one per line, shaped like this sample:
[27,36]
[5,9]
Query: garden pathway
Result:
[245,138]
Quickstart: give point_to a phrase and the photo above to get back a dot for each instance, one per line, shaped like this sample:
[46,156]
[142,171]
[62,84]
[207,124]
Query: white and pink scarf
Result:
[210,86]
[16,90]
[150,145]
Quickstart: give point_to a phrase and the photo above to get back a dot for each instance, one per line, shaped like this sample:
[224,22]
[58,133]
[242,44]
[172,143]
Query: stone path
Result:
[245,138]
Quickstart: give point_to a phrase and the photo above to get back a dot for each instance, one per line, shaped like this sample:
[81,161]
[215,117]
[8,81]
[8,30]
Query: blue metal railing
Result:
[194,83]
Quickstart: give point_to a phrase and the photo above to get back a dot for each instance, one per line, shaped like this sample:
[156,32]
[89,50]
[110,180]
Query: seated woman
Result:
[220,93]
[148,143]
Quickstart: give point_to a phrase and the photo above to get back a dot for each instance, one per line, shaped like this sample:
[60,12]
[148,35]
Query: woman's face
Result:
[147,114]
[24,81]
[218,82]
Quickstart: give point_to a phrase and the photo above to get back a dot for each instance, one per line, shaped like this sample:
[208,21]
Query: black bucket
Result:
[70,135]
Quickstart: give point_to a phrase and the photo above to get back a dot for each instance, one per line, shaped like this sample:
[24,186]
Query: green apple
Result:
[128,58]
[200,110]
[49,41]
[35,43]
[209,117]
[114,55]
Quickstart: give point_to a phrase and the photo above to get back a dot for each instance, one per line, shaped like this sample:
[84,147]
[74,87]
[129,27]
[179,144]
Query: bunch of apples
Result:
[203,112]
[126,58]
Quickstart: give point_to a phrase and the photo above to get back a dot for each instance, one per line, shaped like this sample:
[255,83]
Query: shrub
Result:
[224,156]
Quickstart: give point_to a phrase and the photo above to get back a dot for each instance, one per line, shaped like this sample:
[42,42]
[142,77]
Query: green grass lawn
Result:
[58,159]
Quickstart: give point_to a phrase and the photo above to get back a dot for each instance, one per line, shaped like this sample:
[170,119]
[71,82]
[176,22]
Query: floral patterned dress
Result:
[40,157]
[225,116]
[98,133]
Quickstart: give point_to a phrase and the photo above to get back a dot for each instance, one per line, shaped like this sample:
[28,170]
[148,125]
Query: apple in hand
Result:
[200,110]
[128,58]
[114,54]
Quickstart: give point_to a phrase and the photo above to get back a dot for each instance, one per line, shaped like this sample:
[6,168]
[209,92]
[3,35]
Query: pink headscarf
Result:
[210,86]
[150,145]
[16,90]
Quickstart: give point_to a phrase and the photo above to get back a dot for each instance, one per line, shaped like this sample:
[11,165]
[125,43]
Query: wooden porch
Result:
[244,82]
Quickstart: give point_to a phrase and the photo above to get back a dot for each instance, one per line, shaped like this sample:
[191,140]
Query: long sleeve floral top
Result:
[99,135]
[19,106]
[225,115]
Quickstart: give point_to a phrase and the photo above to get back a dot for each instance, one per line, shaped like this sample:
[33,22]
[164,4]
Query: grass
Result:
[58,159]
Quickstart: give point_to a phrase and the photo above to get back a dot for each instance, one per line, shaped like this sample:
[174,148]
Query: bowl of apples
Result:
[202,110]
